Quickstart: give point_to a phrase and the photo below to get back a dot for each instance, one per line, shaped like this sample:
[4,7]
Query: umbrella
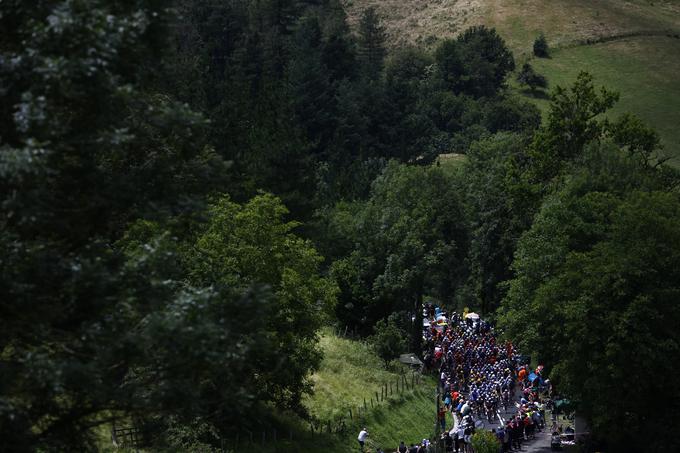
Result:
[472,316]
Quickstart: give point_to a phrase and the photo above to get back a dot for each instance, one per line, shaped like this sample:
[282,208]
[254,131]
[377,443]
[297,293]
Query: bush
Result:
[485,442]
[541,47]
[389,340]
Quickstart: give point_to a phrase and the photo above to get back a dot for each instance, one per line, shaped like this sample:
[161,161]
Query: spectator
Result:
[363,434]
[442,417]
[460,439]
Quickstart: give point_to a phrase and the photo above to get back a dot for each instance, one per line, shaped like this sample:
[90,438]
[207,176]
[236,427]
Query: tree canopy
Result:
[172,175]
[410,240]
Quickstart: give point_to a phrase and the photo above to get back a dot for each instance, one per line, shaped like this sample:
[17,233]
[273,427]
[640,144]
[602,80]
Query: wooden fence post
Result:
[365,403]
[376,397]
[350,414]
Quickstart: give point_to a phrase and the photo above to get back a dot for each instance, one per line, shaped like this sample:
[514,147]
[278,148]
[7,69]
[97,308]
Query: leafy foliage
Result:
[134,288]
[573,122]
[595,275]
[388,339]
[371,43]
[496,203]
[101,319]
[251,244]
[476,63]
[409,240]
[485,442]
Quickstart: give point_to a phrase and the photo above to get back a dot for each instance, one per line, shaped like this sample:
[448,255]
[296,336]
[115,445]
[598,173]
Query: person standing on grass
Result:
[363,434]
[442,417]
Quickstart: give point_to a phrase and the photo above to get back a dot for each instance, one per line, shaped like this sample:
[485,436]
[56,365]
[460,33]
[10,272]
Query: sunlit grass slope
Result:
[644,70]
[350,372]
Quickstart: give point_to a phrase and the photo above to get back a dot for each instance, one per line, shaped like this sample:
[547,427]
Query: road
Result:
[541,442]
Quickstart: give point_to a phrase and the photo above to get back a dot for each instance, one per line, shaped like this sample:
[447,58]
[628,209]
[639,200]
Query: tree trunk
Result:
[417,324]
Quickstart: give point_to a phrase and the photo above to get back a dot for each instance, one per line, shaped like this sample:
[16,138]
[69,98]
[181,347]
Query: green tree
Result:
[409,130]
[251,244]
[541,48]
[498,216]
[410,239]
[371,43]
[595,279]
[575,119]
[88,146]
[388,340]
[450,63]
[485,442]
[487,61]
[476,63]
[308,84]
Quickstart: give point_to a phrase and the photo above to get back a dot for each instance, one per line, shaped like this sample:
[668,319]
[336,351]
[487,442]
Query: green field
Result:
[643,67]
[644,70]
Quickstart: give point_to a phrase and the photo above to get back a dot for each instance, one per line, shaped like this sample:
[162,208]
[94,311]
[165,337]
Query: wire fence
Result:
[350,421]
[353,418]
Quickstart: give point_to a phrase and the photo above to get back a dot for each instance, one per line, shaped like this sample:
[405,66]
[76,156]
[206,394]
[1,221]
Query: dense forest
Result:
[190,190]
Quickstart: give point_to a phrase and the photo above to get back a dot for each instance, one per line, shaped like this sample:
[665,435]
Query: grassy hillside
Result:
[349,373]
[644,70]
[638,53]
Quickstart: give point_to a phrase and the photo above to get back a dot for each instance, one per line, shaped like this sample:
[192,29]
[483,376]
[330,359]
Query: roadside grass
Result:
[644,70]
[409,417]
[350,372]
